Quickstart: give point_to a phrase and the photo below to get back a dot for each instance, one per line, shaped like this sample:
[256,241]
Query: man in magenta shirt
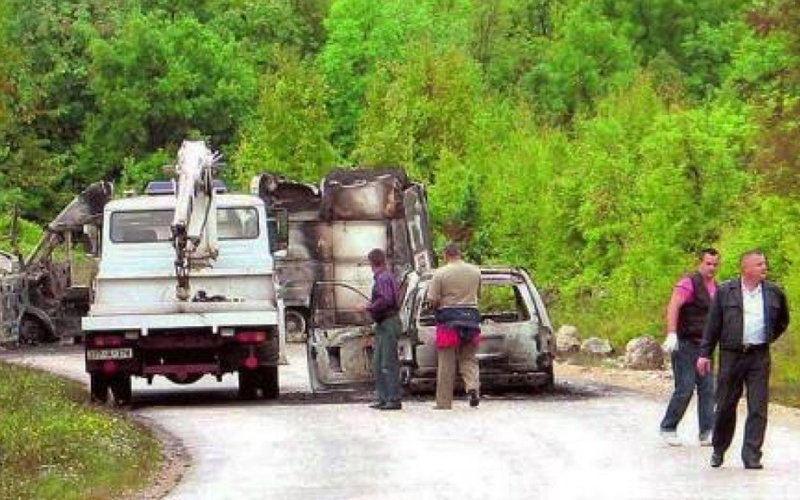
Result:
[686,316]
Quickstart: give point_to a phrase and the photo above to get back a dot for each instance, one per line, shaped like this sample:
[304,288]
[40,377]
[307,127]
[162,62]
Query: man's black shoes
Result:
[392,405]
[377,405]
[716,459]
[474,400]
[753,465]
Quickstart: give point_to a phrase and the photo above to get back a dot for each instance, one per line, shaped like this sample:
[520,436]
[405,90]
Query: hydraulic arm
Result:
[194,225]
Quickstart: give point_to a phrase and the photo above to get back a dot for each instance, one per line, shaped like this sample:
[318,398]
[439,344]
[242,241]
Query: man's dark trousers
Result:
[686,379]
[386,366]
[739,369]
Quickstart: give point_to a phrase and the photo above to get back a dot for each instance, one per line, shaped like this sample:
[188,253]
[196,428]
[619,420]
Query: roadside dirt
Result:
[656,384]
[175,460]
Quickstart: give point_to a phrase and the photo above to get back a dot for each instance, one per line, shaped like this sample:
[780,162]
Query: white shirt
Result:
[754,332]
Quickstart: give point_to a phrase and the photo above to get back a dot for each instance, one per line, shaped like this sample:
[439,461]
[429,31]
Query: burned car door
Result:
[418,227]
[340,340]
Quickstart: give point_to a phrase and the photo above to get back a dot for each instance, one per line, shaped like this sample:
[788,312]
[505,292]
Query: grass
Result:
[54,445]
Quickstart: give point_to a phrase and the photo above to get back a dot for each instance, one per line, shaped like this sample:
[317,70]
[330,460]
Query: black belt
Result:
[745,348]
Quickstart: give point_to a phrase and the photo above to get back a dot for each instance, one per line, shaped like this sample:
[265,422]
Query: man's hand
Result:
[703,366]
[671,343]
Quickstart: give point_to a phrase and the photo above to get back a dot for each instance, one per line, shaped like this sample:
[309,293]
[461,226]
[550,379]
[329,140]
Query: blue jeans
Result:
[686,378]
[386,365]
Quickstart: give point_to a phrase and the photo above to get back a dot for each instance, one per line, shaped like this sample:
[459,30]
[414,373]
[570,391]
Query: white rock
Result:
[644,353]
[568,340]
[596,346]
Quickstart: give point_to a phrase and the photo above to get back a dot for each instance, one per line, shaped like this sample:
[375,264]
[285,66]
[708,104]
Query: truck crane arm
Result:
[194,224]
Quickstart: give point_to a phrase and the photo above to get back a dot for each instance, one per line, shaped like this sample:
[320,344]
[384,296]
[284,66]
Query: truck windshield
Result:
[150,226]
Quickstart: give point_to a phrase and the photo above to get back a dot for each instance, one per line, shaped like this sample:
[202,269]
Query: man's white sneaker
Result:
[705,439]
[671,438]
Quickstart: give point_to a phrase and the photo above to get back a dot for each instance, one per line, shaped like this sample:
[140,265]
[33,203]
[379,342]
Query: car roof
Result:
[487,271]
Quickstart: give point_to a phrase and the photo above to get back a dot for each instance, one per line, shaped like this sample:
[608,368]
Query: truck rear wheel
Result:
[121,389]
[98,388]
[247,384]
[268,381]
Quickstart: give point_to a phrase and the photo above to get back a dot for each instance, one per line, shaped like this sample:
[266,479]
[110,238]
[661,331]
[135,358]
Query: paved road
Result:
[583,442]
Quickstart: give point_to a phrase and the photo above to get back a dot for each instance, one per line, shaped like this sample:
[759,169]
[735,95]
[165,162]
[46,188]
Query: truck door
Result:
[419,232]
[340,342]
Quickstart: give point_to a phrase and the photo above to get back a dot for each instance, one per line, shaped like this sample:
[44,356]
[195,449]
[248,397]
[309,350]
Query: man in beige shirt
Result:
[453,293]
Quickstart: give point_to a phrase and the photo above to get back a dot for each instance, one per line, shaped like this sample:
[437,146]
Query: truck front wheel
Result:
[98,387]
[268,381]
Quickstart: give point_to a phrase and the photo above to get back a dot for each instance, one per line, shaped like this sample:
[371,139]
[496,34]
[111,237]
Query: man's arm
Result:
[435,292]
[673,307]
[782,321]
[680,295]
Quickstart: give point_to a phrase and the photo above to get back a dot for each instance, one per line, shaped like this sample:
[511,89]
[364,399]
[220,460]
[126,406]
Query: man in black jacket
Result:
[746,316]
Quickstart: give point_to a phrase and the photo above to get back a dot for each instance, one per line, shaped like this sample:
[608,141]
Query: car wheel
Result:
[247,384]
[33,332]
[550,384]
[268,381]
[98,388]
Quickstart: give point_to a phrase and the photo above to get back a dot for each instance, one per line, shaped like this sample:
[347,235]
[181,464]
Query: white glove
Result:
[671,343]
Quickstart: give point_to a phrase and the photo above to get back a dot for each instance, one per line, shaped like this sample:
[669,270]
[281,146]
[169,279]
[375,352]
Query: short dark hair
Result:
[748,253]
[377,257]
[707,251]
[452,250]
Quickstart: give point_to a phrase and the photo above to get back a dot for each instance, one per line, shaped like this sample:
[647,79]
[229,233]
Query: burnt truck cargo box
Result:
[363,194]
[332,229]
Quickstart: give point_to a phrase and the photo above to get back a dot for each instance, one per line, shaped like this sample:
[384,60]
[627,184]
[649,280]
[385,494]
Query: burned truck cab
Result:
[325,275]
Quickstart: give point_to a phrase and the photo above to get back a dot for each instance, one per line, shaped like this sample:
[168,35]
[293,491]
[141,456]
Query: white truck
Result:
[186,287]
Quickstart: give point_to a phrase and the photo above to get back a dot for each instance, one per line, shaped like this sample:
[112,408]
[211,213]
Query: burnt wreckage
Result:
[325,279]
[44,295]
[332,228]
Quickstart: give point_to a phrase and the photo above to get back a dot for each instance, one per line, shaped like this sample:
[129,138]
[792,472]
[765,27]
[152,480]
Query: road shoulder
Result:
[654,384]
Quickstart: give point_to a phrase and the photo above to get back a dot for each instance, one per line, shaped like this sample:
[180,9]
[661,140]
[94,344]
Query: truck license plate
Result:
[104,354]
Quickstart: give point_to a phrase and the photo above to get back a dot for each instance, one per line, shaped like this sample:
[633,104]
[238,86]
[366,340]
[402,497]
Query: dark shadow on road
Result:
[227,396]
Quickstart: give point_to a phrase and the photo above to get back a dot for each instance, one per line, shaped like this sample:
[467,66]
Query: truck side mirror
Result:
[279,233]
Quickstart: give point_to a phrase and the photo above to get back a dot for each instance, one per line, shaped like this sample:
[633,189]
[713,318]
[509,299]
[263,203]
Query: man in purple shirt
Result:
[383,308]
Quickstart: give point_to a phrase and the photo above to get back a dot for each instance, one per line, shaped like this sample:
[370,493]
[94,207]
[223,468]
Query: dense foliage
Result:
[598,143]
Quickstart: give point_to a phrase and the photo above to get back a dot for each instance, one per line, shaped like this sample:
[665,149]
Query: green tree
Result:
[160,81]
[664,25]
[507,38]
[289,131]
[419,109]
[363,33]
[769,73]
[585,59]
[45,93]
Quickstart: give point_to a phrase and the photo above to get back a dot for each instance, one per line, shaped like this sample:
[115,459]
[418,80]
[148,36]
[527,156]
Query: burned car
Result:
[517,343]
